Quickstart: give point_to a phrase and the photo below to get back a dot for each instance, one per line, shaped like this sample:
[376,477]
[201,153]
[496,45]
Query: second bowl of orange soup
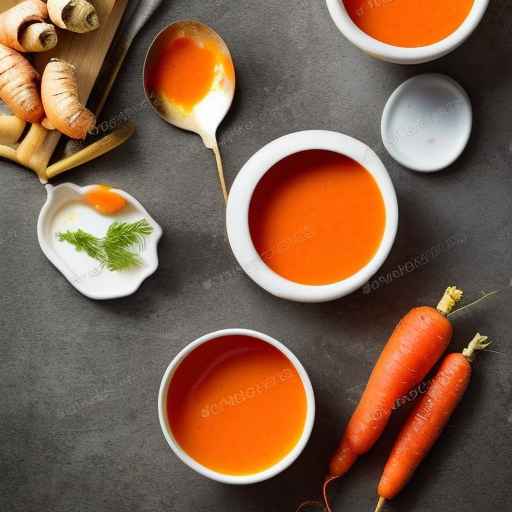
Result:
[312,216]
[236,406]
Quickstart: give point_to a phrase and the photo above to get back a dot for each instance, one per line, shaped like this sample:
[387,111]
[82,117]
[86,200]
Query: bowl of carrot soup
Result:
[236,406]
[312,216]
[405,31]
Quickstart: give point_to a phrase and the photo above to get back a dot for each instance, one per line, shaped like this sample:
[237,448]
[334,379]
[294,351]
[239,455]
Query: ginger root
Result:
[75,15]
[19,88]
[24,29]
[59,91]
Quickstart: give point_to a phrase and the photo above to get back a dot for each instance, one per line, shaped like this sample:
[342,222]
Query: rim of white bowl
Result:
[237,213]
[209,473]
[424,164]
[403,55]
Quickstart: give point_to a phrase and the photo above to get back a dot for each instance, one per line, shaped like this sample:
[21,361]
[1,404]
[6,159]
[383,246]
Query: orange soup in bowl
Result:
[237,405]
[317,217]
[408,23]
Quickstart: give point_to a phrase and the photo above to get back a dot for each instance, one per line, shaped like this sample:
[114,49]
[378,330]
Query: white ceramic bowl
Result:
[398,54]
[237,215]
[427,122]
[214,475]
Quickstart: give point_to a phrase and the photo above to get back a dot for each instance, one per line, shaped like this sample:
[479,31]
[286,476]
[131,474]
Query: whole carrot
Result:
[414,347]
[428,419]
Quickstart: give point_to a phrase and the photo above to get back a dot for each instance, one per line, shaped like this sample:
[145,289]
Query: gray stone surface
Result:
[79,379]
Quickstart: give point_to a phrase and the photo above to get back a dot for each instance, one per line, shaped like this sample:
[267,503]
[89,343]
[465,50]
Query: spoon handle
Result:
[220,170]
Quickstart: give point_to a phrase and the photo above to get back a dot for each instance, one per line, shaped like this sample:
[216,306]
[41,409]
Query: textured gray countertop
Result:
[79,379]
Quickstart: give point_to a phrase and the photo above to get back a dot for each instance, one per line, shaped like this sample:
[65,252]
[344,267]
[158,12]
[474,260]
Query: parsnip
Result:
[24,29]
[11,128]
[26,152]
[75,15]
[19,86]
[59,91]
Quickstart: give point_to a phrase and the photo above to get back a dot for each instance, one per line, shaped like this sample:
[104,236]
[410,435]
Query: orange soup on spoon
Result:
[236,405]
[184,72]
[408,23]
[317,217]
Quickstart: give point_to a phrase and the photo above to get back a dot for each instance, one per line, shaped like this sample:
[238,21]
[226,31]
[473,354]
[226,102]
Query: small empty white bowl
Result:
[215,475]
[240,195]
[427,122]
[65,210]
[398,54]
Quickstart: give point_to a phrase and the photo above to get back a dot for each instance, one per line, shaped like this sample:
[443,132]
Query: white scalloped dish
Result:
[65,209]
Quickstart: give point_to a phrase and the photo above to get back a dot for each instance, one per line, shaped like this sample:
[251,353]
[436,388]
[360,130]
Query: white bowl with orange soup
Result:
[312,216]
[407,31]
[236,406]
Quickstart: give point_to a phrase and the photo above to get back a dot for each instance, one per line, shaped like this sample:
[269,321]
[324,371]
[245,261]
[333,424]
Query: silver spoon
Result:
[206,115]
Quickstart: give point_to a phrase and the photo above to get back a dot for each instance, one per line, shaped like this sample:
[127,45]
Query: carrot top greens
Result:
[114,250]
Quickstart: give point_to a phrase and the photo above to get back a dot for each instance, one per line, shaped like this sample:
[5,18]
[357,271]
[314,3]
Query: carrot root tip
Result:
[380,504]
[327,481]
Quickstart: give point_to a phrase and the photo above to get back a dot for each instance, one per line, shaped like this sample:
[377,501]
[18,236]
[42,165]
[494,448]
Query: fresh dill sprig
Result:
[123,234]
[119,258]
[86,242]
[113,250]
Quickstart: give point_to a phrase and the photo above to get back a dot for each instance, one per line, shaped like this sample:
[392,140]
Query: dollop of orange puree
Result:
[408,23]
[183,72]
[105,200]
[236,405]
[317,217]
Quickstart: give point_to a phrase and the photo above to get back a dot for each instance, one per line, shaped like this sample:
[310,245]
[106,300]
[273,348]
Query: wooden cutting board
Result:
[87,52]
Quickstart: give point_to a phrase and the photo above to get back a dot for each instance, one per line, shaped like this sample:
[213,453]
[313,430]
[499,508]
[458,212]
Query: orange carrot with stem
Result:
[428,419]
[414,347]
